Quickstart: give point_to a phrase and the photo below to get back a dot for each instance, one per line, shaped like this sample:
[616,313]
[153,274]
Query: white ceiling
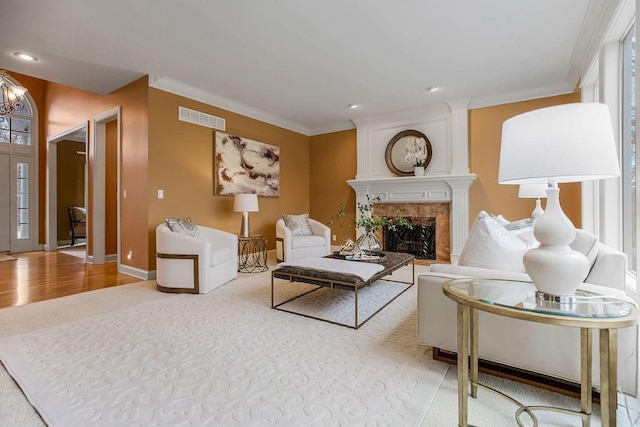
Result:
[304,61]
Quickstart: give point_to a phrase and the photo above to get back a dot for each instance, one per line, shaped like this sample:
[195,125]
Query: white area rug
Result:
[224,358]
[338,305]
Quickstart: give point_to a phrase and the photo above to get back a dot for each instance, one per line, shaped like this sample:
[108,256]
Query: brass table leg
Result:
[463,364]
[356,297]
[586,341]
[474,352]
[608,376]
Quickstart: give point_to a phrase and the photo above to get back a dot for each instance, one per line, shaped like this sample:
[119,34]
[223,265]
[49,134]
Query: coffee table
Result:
[391,261]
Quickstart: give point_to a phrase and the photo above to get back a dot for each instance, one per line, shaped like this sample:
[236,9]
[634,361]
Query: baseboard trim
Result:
[137,272]
[523,376]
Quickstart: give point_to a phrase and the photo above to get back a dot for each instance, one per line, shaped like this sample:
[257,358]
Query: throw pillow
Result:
[490,245]
[298,224]
[587,244]
[182,225]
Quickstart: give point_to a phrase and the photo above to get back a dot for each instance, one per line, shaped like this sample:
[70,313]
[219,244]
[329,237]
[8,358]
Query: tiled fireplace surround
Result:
[442,193]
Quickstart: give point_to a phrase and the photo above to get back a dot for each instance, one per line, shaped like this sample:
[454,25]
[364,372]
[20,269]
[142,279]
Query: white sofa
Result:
[291,248]
[189,264]
[540,348]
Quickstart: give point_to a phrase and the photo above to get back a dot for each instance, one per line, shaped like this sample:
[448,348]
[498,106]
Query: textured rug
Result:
[5,257]
[224,358]
[336,305]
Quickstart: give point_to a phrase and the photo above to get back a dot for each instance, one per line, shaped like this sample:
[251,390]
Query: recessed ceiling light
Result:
[352,106]
[25,56]
[433,88]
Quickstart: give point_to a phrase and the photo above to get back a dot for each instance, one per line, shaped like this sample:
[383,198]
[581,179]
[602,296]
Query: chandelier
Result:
[12,95]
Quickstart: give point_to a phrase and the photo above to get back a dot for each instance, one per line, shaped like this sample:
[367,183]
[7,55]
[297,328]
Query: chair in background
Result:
[195,264]
[292,245]
[77,222]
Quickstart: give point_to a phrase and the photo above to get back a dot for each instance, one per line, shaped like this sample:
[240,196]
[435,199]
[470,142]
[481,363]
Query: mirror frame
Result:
[391,148]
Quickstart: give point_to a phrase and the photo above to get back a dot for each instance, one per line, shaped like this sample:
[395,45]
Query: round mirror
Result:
[401,152]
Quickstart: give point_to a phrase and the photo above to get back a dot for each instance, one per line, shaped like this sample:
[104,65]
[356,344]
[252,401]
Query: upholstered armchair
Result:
[77,222]
[291,245]
[195,264]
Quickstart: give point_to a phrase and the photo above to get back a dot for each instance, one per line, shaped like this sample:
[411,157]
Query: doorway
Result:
[67,185]
[101,194]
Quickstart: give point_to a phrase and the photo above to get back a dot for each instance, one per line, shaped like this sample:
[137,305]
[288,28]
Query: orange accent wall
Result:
[181,161]
[333,161]
[161,152]
[66,107]
[485,131]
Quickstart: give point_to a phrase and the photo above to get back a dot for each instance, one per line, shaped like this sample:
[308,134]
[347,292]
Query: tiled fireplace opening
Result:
[418,240]
[429,216]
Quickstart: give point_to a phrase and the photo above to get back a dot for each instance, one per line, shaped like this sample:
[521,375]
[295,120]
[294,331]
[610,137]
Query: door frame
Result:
[51,243]
[99,184]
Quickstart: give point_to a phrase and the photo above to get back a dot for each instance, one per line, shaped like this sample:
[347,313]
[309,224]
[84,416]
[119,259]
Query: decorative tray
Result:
[368,256]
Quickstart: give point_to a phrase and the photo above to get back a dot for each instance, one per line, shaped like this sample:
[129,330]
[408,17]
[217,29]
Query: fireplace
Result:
[429,240]
[418,240]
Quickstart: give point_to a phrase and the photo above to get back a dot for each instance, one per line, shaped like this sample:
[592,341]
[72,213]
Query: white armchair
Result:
[195,264]
[291,248]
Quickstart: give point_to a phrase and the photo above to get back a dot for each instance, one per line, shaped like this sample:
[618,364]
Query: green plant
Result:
[367,219]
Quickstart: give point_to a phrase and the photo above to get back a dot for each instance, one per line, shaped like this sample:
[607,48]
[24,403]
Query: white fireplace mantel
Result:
[447,178]
[453,189]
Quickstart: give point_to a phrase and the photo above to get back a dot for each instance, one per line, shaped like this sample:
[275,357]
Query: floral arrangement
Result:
[367,220]
[416,149]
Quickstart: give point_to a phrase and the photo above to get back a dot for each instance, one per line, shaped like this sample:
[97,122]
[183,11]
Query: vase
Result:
[368,242]
[418,170]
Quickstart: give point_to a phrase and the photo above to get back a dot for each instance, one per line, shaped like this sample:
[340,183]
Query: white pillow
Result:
[182,226]
[490,245]
[587,244]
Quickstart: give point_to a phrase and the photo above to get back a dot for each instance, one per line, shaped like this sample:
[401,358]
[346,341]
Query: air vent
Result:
[202,119]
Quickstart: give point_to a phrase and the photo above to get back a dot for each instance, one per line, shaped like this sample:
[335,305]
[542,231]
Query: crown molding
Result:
[405,116]
[182,89]
[596,24]
[336,127]
[508,98]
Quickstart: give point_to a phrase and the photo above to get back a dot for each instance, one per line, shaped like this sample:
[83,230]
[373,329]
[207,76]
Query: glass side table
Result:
[517,300]
[252,254]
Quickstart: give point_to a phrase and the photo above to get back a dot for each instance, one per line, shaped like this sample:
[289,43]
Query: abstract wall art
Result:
[246,166]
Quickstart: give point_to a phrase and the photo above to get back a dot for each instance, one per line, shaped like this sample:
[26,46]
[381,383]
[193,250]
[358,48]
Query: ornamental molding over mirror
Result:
[406,150]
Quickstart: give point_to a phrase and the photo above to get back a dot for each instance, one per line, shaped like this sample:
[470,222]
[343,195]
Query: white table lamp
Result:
[564,143]
[245,203]
[534,191]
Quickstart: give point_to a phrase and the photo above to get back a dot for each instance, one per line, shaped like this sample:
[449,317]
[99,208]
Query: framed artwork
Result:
[245,166]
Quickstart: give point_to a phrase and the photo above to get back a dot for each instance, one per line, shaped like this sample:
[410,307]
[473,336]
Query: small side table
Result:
[252,254]
[516,300]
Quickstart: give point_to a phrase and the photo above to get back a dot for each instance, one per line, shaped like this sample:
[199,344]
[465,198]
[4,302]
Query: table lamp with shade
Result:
[245,203]
[563,143]
[534,191]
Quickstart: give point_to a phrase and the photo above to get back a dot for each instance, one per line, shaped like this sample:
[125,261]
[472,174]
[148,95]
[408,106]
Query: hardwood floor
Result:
[38,276]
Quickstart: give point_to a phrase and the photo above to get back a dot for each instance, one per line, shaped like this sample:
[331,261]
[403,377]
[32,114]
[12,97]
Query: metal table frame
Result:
[467,319]
[252,254]
[341,284]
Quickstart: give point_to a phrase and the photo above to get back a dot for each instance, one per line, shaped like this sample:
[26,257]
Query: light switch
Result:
[124,194]
[160,194]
